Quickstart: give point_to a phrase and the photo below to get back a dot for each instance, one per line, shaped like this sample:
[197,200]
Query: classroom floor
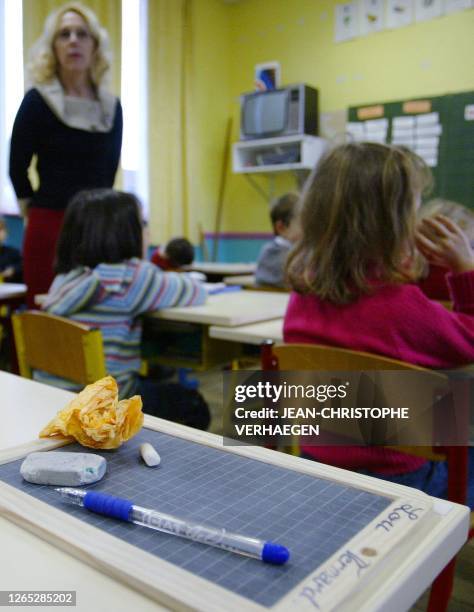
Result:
[462,599]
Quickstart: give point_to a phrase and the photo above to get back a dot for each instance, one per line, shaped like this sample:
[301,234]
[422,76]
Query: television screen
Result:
[265,113]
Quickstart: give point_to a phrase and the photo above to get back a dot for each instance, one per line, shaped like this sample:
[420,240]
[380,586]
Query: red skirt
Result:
[39,250]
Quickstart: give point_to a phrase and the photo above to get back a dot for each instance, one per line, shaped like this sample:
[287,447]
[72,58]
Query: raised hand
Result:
[443,243]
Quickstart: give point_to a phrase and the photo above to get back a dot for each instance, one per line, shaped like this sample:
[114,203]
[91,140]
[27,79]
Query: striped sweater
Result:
[112,297]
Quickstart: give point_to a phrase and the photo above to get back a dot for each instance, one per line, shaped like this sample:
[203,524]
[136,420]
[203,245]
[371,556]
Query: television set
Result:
[279,112]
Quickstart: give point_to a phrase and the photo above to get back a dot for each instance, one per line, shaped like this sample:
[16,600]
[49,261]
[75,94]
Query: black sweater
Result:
[11,258]
[69,159]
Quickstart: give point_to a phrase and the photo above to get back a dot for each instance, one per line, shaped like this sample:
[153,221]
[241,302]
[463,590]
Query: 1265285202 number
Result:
[37,598]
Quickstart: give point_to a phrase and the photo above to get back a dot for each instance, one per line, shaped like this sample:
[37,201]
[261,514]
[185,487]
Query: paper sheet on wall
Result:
[421,133]
[356,130]
[380,137]
[403,122]
[428,9]
[346,26]
[403,131]
[469,112]
[427,119]
[376,125]
[451,6]
[399,13]
[404,141]
[428,130]
[371,16]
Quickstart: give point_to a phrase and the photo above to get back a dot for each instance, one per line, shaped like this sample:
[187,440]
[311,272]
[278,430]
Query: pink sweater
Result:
[397,321]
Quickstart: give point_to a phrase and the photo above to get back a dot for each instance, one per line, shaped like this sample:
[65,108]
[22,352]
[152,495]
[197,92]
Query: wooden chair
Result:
[319,357]
[58,346]
[8,304]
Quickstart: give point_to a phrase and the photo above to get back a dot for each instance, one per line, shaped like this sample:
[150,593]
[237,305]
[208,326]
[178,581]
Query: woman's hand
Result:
[8,272]
[24,205]
[443,243]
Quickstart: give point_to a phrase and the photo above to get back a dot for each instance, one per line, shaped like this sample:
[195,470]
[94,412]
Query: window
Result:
[11,90]
[134,99]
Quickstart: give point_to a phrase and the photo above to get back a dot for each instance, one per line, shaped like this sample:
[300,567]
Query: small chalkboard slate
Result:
[336,533]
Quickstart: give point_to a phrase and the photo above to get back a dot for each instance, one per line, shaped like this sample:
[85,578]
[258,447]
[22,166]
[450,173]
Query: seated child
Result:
[352,278]
[433,282]
[286,227]
[10,258]
[103,282]
[178,252]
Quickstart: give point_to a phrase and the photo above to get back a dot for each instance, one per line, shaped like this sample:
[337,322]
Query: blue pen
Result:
[123,509]
[226,289]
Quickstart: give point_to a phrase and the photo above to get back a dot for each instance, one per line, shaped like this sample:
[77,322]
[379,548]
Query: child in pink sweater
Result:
[352,277]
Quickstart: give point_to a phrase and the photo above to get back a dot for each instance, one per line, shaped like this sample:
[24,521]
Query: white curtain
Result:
[11,91]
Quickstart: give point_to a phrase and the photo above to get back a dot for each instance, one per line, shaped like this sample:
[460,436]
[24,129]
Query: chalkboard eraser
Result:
[63,469]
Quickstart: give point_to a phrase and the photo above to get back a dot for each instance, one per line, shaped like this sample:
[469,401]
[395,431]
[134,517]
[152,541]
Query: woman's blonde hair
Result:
[358,220]
[42,66]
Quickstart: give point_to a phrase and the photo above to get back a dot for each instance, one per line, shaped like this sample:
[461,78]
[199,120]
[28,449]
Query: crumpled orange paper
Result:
[95,418]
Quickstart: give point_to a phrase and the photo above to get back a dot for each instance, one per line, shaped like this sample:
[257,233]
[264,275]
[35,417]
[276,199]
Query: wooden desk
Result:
[179,337]
[255,333]
[11,291]
[402,573]
[25,408]
[247,281]
[216,271]
[244,280]
[230,309]
[12,296]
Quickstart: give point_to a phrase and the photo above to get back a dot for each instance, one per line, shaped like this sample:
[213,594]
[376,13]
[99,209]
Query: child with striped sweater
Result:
[103,282]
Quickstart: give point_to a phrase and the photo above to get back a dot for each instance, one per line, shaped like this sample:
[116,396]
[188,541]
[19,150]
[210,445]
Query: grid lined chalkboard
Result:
[454,170]
[313,517]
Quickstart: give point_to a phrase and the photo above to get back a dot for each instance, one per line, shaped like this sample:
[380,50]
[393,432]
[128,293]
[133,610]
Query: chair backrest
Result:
[58,346]
[316,356]
[321,357]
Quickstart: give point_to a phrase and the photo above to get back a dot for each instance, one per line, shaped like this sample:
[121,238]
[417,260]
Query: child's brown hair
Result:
[358,221]
[283,209]
[180,252]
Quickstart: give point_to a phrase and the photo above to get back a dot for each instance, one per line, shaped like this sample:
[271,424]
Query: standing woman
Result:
[71,123]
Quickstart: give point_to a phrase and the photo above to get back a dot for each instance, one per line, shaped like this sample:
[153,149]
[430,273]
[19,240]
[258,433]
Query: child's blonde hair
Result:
[358,221]
[42,66]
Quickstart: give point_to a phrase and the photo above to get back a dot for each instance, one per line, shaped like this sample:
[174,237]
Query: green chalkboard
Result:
[453,166]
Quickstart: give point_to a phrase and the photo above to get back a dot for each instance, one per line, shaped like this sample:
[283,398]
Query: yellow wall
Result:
[210,101]
[430,58]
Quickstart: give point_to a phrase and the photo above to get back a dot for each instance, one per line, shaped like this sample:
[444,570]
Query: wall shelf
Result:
[282,154]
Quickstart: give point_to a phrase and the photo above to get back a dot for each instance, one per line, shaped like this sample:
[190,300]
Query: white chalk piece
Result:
[63,469]
[149,455]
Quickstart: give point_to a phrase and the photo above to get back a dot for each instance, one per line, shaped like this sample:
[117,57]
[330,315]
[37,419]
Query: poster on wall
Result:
[371,15]
[399,13]
[267,76]
[451,6]
[347,26]
[428,9]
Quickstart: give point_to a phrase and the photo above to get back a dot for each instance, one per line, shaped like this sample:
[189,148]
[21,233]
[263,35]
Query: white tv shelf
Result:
[300,152]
